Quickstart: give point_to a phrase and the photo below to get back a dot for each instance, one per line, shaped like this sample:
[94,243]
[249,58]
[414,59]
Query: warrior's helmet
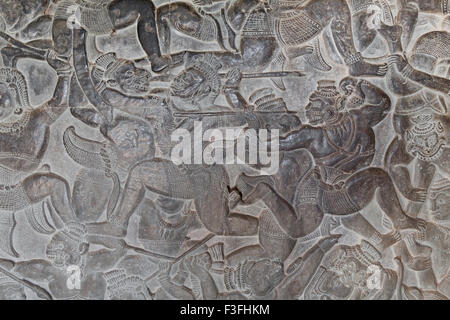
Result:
[69,246]
[105,68]
[120,286]
[430,49]
[326,90]
[200,81]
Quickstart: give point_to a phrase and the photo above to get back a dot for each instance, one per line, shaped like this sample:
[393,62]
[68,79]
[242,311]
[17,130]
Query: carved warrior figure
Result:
[113,82]
[24,140]
[265,30]
[98,99]
[192,181]
[104,17]
[421,119]
[342,148]
[257,271]
[70,247]
[344,274]
[197,87]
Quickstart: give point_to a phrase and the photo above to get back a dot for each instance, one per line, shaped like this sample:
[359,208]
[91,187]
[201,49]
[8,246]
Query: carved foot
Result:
[409,223]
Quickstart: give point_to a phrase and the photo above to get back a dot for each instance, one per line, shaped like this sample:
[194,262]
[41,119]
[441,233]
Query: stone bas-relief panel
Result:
[119,181]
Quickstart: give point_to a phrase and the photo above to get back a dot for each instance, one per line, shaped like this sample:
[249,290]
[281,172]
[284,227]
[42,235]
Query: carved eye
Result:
[129,73]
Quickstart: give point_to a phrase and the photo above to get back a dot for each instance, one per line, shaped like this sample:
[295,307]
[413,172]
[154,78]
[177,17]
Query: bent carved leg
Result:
[363,186]
[41,185]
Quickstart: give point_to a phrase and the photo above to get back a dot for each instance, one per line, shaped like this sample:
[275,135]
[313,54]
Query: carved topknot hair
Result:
[118,283]
[75,231]
[105,67]
[365,253]
[208,65]
[264,100]
[326,89]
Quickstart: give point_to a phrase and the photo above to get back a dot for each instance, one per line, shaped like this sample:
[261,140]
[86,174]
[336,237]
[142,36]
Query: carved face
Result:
[319,111]
[337,277]
[264,276]
[334,287]
[340,283]
[63,252]
[7,103]
[12,291]
[190,84]
[132,80]
[440,206]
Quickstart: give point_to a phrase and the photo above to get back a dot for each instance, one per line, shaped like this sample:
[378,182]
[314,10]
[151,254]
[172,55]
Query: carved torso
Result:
[24,142]
[345,145]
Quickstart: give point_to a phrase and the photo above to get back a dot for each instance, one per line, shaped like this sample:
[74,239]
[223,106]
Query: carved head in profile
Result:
[264,275]
[199,81]
[68,247]
[120,74]
[13,94]
[255,277]
[325,103]
[344,274]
